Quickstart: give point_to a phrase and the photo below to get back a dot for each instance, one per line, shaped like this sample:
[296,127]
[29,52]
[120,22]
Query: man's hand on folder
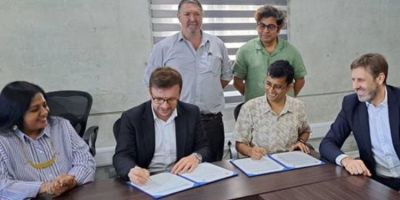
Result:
[257,153]
[185,164]
[139,175]
[300,146]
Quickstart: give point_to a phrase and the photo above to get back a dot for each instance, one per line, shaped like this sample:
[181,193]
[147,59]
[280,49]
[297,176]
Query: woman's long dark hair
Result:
[15,99]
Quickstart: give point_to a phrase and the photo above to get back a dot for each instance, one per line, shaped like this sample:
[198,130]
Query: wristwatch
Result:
[198,156]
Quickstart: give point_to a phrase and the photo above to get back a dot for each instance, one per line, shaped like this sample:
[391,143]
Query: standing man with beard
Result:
[372,114]
[203,61]
[253,58]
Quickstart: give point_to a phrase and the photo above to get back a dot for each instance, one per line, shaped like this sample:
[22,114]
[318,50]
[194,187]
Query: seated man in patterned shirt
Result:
[275,122]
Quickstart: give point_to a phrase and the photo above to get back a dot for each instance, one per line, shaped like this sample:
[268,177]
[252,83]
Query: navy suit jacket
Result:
[136,137]
[354,118]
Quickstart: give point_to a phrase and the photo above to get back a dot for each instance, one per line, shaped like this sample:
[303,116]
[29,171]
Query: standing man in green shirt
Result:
[253,58]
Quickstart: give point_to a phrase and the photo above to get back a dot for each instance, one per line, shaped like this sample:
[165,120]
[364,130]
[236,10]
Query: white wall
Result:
[101,46]
[330,35]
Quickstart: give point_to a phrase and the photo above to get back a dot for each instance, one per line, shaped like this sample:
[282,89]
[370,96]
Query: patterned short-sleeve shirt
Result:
[257,125]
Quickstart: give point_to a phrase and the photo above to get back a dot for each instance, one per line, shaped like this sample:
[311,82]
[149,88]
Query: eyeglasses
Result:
[277,88]
[270,27]
[159,100]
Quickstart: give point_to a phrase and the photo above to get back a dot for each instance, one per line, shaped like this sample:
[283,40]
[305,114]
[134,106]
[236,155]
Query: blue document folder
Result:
[164,184]
[275,163]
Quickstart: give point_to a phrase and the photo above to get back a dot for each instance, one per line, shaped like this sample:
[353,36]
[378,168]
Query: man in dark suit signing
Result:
[162,134]
[372,114]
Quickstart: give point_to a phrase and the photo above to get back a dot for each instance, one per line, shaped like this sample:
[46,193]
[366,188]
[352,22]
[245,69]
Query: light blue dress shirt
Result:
[387,161]
[202,70]
[19,180]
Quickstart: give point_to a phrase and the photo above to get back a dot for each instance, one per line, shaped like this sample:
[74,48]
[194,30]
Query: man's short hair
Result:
[374,63]
[267,11]
[165,77]
[195,2]
[281,69]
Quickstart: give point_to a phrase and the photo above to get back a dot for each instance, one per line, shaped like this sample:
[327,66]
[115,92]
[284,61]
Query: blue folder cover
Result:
[185,181]
[275,163]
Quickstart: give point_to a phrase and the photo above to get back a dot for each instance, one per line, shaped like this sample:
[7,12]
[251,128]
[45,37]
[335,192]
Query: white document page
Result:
[207,172]
[163,184]
[256,167]
[296,159]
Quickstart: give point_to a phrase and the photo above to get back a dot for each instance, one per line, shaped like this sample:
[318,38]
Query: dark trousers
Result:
[214,129]
[393,183]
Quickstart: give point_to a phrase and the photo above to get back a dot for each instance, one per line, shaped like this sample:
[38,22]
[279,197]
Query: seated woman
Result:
[275,122]
[39,154]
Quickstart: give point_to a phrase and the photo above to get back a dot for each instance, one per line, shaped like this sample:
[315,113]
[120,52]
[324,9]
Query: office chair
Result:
[233,154]
[74,106]
[236,111]
[117,124]
[116,127]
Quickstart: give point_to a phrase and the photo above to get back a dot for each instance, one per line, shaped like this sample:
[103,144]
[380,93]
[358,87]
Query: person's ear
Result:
[280,27]
[150,95]
[290,86]
[381,78]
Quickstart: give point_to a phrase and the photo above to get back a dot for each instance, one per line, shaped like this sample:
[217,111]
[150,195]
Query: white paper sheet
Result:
[163,184]
[296,159]
[256,167]
[207,172]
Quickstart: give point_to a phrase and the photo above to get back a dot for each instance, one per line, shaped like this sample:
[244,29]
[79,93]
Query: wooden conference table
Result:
[351,187]
[321,182]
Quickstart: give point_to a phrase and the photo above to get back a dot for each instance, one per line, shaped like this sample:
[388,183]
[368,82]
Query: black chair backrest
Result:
[236,111]
[116,127]
[72,105]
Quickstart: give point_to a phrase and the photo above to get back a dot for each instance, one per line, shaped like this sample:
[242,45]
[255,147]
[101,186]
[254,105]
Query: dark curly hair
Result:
[267,11]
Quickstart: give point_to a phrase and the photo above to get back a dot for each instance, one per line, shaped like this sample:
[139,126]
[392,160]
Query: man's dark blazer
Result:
[136,137]
[354,118]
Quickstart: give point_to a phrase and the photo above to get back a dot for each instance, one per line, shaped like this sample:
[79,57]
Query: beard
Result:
[368,97]
[192,29]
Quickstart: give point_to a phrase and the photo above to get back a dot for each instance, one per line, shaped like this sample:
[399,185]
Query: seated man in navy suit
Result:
[373,115]
[163,134]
